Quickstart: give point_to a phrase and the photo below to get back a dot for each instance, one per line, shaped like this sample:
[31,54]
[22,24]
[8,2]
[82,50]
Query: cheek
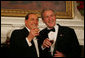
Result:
[29,23]
[55,19]
[36,24]
[46,21]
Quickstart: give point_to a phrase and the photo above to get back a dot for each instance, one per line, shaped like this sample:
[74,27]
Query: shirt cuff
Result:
[42,48]
[29,43]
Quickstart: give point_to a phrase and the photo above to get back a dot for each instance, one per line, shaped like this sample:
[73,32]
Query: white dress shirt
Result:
[52,36]
[35,43]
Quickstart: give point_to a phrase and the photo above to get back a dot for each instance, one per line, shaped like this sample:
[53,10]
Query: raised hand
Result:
[46,43]
[33,32]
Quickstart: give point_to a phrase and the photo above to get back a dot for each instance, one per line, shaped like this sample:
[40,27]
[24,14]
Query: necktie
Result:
[53,29]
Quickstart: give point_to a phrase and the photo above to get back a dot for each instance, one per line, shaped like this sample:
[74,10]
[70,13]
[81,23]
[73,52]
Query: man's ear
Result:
[43,20]
[25,21]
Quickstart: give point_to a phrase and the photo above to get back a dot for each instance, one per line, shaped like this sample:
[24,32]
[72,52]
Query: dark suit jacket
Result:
[66,42]
[19,46]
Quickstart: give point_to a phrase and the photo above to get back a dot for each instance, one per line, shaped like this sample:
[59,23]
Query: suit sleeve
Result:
[29,43]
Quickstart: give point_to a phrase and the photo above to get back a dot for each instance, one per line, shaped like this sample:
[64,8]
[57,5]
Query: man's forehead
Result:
[48,12]
[33,15]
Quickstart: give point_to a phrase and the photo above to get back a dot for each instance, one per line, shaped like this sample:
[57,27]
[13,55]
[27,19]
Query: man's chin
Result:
[50,26]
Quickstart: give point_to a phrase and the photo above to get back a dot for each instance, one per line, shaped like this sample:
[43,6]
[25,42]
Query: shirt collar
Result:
[56,26]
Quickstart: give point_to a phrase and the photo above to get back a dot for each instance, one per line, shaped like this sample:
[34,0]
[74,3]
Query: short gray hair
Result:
[46,10]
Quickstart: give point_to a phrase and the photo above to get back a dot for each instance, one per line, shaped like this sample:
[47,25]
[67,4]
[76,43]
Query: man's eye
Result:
[32,19]
[52,15]
[46,17]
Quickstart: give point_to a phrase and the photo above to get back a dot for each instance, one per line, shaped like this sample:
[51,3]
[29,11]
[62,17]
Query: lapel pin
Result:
[61,35]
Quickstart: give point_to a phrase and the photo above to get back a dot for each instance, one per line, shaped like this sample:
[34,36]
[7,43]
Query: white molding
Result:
[9,23]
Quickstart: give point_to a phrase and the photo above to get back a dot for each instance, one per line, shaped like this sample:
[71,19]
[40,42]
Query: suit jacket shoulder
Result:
[18,38]
[20,32]
[64,27]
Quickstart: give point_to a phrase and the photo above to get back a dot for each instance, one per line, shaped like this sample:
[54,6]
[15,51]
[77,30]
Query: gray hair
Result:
[46,10]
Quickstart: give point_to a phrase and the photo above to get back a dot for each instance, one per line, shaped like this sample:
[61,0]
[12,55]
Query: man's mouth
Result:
[50,21]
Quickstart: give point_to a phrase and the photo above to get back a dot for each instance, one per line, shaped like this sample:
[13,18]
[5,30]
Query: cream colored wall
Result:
[8,24]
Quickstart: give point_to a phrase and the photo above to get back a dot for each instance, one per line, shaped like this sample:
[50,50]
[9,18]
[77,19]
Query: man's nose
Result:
[35,22]
[50,18]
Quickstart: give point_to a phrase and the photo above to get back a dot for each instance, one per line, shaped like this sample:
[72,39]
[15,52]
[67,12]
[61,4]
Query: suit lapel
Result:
[59,36]
[25,31]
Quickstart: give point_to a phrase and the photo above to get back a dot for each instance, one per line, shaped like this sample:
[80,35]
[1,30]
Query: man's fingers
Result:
[47,42]
[57,52]
[55,55]
[46,45]
[35,32]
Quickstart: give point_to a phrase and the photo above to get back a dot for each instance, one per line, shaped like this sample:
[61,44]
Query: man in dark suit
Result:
[23,42]
[56,40]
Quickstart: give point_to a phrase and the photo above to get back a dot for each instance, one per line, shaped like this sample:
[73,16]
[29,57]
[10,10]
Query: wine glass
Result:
[51,39]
